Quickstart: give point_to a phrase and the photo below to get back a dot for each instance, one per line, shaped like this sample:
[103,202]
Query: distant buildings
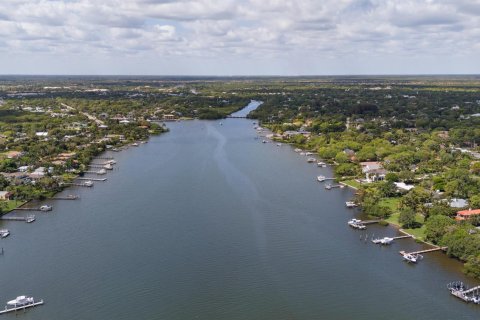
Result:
[467,214]
[373,171]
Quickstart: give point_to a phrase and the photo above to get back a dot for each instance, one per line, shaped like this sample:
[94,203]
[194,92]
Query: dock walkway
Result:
[424,251]
[6,310]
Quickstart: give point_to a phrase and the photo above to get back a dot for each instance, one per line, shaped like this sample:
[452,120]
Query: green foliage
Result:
[437,226]
[407,217]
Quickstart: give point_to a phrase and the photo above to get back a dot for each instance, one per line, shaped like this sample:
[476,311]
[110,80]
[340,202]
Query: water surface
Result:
[206,222]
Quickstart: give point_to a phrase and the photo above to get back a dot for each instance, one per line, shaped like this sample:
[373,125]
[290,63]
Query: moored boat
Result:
[4,233]
[320,178]
[46,208]
[350,204]
[311,160]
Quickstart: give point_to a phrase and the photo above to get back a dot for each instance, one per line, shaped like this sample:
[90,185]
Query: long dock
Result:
[70,197]
[370,221]
[93,179]
[401,237]
[30,209]
[424,251]
[471,290]
[34,304]
[27,219]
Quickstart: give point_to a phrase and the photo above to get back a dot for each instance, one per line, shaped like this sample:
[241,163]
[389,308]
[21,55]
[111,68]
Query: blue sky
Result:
[243,37]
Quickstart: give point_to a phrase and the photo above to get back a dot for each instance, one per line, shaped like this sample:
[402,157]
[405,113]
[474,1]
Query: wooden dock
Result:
[370,222]
[34,304]
[93,179]
[27,219]
[32,209]
[402,237]
[70,197]
[424,251]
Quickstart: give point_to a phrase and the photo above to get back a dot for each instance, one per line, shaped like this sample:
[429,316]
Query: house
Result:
[169,117]
[404,186]
[458,203]
[467,214]
[373,170]
[5,195]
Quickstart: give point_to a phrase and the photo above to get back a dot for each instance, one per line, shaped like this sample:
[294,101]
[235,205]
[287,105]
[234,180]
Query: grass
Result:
[391,203]
[9,205]
[352,183]
[418,233]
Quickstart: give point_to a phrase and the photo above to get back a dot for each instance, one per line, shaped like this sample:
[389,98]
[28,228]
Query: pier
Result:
[42,208]
[6,310]
[93,179]
[69,197]
[424,251]
[104,158]
[402,237]
[369,222]
[237,117]
[27,219]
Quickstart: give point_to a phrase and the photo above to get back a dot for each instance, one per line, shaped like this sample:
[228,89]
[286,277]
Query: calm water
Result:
[206,222]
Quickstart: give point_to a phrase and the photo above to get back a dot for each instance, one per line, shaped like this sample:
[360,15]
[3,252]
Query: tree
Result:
[472,266]
[388,189]
[436,227]
[407,217]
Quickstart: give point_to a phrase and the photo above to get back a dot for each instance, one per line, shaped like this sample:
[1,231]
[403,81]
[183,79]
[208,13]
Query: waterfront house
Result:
[467,214]
[169,117]
[5,195]
[373,171]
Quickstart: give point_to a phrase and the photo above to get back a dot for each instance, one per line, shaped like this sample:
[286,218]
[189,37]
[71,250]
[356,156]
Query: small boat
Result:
[108,166]
[264,141]
[30,219]
[88,183]
[311,160]
[321,164]
[111,162]
[101,171]
[309,153]
[328,186]
[350,204]
[383,241]
[321,178]
[302,153]
[357,224]
[279,144]
[21,301]
[134,144]
[115,149]
[46,208]
[4,233]
[297,150]
[413,258]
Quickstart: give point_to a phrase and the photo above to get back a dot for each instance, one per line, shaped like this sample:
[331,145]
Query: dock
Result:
[424,251]
[104,158]
[27,219]
[402,237]
[34,304]
[93,179]
[69,197]
[78,184]
[49,208]
[370,222]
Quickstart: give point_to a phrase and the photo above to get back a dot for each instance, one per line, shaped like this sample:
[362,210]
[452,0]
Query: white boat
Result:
[386,240]
[310,160]
[264,141]
[88,183]
[279,144]
[101,171]
[134,144]
[309,153]
[321,164]
[20,301]
[321,178]
[350,204]
[4,233]
[297,150]
[46,208]
[108,166]
[302,153]
[357,224]
[111,162]
[413,258]
[328,186]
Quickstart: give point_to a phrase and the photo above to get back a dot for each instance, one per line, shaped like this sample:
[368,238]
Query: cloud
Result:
[240,29]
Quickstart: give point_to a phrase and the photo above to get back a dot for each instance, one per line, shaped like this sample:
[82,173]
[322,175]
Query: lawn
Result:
[418,233]
[352,183]
[391,203]
[9,205]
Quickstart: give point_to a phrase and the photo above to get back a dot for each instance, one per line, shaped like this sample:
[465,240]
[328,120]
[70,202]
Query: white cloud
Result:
[246,31]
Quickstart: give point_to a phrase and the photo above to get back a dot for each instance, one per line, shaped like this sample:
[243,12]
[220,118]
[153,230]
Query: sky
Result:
[239,37]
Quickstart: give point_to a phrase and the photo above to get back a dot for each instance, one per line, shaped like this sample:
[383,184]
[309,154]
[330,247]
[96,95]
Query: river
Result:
[206,222]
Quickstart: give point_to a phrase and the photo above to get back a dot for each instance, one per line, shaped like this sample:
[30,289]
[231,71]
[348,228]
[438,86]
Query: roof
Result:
[4,193]
[468,212]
